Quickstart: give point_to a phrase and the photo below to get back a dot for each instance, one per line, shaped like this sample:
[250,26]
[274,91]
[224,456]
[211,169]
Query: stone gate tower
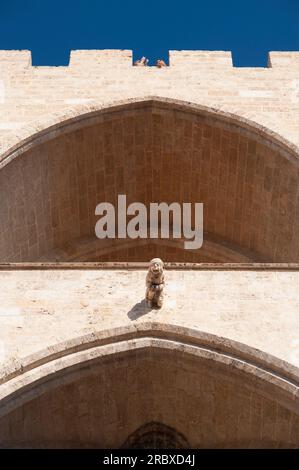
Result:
[83,362]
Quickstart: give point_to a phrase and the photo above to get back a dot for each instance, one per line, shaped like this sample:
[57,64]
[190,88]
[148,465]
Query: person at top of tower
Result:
[141,62]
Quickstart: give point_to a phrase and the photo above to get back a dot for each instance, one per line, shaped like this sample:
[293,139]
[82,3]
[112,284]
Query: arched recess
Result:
[102,389]
[152,150]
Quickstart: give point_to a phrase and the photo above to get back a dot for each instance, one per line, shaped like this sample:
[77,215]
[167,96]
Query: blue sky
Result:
[249,28]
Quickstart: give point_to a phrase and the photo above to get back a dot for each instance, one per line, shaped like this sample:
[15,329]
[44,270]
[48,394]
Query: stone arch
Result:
[54,173]
[97,390]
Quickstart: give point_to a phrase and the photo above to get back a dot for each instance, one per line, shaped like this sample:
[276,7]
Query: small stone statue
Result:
[155,283]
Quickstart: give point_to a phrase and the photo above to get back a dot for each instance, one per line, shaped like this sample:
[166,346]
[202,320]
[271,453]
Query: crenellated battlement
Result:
[16,59]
